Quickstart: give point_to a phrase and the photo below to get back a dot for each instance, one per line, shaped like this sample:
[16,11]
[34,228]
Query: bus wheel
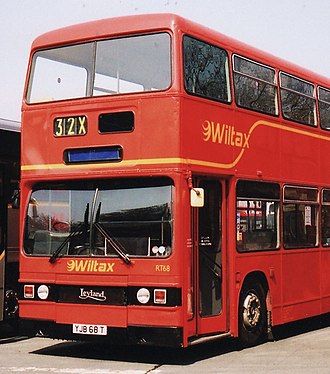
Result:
[252,317]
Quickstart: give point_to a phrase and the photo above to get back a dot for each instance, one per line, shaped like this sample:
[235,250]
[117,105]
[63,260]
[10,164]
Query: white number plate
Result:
[78,328]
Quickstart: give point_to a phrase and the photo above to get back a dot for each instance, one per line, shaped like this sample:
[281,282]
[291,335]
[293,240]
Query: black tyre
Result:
[252,318]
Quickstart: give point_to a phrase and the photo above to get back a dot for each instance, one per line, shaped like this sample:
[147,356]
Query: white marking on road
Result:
[33,369]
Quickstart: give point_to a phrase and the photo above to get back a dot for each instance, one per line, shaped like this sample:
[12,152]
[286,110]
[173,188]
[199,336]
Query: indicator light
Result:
[160,296]
[28,291]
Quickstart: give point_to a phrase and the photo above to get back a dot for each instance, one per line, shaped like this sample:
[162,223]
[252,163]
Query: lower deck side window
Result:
[299,225]
[300,207]
[257,208]
[325,218]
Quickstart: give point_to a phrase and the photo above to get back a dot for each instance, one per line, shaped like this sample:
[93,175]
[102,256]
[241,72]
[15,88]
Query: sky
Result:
[296,30]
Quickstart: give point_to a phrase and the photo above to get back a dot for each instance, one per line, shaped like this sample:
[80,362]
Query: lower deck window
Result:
[299,221]
[300,217]
[257,208]
[325,218]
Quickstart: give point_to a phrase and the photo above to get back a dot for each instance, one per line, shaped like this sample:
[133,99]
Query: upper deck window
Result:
[324,106]
[255,86]
[298,100]
[108,67]
[206,71]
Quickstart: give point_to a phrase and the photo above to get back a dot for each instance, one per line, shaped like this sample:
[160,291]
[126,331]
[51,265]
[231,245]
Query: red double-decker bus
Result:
[175,186]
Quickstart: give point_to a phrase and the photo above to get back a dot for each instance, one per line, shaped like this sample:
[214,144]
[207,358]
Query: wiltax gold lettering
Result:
[90,266]
[163,268]
[224,134]
[82,128]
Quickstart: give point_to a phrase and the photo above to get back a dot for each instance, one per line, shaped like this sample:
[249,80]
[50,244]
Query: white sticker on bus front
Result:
[78,328]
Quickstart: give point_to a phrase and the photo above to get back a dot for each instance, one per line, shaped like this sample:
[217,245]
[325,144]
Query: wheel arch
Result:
[257,278]
[261,278]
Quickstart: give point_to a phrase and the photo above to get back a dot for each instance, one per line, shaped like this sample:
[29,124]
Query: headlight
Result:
[143,295]
[43,292]
[161,250]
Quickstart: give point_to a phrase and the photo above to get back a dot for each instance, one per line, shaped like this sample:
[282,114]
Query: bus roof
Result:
[9,125]
[120,26]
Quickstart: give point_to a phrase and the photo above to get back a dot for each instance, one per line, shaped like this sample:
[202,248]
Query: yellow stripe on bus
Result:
[152,161]
[104,165]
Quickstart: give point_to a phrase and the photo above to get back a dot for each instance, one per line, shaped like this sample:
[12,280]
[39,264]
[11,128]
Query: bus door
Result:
[209,250]
[2,249]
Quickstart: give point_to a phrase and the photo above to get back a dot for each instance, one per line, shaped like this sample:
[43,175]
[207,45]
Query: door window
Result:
[210,296]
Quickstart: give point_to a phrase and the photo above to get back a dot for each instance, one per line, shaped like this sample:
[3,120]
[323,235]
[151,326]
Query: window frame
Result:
[319,101]
[300,94]
[45,220]
[90,68]
[227,71]
[324,205]
[272,195]
[299,201]
[273,84]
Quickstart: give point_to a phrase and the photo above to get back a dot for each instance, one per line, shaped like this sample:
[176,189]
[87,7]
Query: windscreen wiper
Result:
[120,250]
[77,231]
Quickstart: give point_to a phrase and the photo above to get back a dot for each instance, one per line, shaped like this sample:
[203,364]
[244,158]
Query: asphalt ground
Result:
[301,347]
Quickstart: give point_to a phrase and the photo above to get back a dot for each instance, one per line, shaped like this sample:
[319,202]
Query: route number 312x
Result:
[70,126]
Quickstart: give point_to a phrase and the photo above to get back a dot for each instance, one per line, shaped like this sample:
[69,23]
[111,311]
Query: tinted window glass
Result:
[325,218]
[297,100]
[257,215]
[209,227]
[255,86]
[324,108]
[206,70]
[116,122]
[300,217]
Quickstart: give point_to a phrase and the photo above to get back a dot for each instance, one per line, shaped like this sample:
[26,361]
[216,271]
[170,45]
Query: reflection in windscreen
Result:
[134,215]
[115,66]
